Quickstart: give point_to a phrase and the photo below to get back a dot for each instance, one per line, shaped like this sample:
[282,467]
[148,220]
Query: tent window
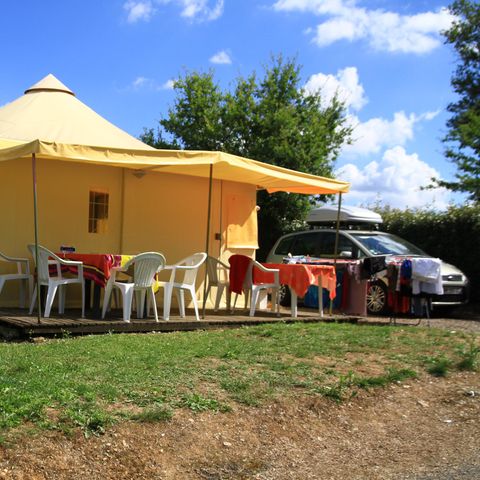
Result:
[98,212]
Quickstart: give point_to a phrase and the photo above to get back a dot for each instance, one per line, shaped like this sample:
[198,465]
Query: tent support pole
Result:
[35,223]
[207,241]
[335,252]
[220,220]
[122,217]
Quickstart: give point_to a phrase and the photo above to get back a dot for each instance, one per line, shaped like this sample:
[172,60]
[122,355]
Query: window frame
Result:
[98,210]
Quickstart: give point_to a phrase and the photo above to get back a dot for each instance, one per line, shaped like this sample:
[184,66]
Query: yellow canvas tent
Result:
[50,122]
[158,199]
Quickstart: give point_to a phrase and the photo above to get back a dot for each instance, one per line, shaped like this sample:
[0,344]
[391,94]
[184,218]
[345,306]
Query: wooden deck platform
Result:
[16,324]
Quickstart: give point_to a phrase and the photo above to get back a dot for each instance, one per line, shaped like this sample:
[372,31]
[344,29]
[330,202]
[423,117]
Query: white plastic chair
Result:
[217,273]
[189,267]
[57,281]
[254,289]
[23,274]
[145,266]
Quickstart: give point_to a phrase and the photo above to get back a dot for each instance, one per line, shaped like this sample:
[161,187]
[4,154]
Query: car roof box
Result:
[327,215]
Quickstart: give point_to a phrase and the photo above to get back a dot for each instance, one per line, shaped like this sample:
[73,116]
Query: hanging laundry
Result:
[404,283]
[406,269]
[396,301]
[372,265]
[354,301]
[427,276]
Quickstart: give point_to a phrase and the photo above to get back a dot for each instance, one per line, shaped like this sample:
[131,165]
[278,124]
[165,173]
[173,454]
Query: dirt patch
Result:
[396,432]
[417,429]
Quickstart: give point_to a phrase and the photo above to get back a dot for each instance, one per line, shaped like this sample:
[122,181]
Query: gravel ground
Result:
[465,318]
[461,472]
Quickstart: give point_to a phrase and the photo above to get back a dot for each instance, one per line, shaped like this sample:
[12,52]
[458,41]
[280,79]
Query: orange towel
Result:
[300,276]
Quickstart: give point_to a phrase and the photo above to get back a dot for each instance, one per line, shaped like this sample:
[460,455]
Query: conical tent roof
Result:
[50,111]
[49,83]
[50,122]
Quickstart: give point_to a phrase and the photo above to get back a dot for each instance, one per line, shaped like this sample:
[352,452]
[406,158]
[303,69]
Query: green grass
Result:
[156,413]
[439,366]
[91,382]
[469,354]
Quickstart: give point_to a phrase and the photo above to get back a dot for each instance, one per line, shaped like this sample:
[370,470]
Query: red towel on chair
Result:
[238,269]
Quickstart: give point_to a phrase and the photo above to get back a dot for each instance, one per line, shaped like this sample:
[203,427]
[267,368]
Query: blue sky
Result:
[385,58]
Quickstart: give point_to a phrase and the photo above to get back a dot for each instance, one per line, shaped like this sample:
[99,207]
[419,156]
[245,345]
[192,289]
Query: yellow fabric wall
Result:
[168,213]
[162,212]
[165,213]
[63,200]
[63,196]
[16,212]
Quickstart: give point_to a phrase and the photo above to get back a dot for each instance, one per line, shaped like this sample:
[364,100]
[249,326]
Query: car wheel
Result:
[285,296]
[377,298]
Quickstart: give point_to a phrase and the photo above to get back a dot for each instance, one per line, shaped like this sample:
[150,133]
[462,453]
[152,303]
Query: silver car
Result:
[357,244]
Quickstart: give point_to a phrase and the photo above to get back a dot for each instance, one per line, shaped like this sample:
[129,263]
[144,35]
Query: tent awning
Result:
[183,162]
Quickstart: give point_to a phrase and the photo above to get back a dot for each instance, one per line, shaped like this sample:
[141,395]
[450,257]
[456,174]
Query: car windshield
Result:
[387,244]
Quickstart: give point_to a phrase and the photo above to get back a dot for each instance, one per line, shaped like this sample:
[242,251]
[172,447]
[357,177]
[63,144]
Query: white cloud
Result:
[396,180]
[200,9]
[383,30]
[168,85]
[141,82]
[318,7]
[416,33]
[377,133]
[195,10]
[144,83]
[138,10]
[429,115]
[221,58]
[345,84]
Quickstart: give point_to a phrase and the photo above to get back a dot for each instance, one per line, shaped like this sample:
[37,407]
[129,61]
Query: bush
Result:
[451,235]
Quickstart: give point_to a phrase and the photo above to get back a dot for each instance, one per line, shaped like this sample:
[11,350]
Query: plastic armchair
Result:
[56,281]
[145,266]
[23,274]
[189,267]
[254,289]
[218,273]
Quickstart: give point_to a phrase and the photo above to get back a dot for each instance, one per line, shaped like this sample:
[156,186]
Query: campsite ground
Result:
[426,429]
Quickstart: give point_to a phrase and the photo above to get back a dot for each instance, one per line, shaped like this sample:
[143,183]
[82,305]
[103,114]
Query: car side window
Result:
[344,245]
[306,244]
[316,244]
[328,245]
[283,247]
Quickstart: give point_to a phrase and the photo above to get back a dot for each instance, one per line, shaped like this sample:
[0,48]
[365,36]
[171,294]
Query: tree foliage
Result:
[463,137]
[271,119]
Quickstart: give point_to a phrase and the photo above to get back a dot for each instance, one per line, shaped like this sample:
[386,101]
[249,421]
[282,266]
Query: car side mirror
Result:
[345,254]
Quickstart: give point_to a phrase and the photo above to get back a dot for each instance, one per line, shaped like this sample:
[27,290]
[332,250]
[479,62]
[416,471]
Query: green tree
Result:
[272,120]
[463,136]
